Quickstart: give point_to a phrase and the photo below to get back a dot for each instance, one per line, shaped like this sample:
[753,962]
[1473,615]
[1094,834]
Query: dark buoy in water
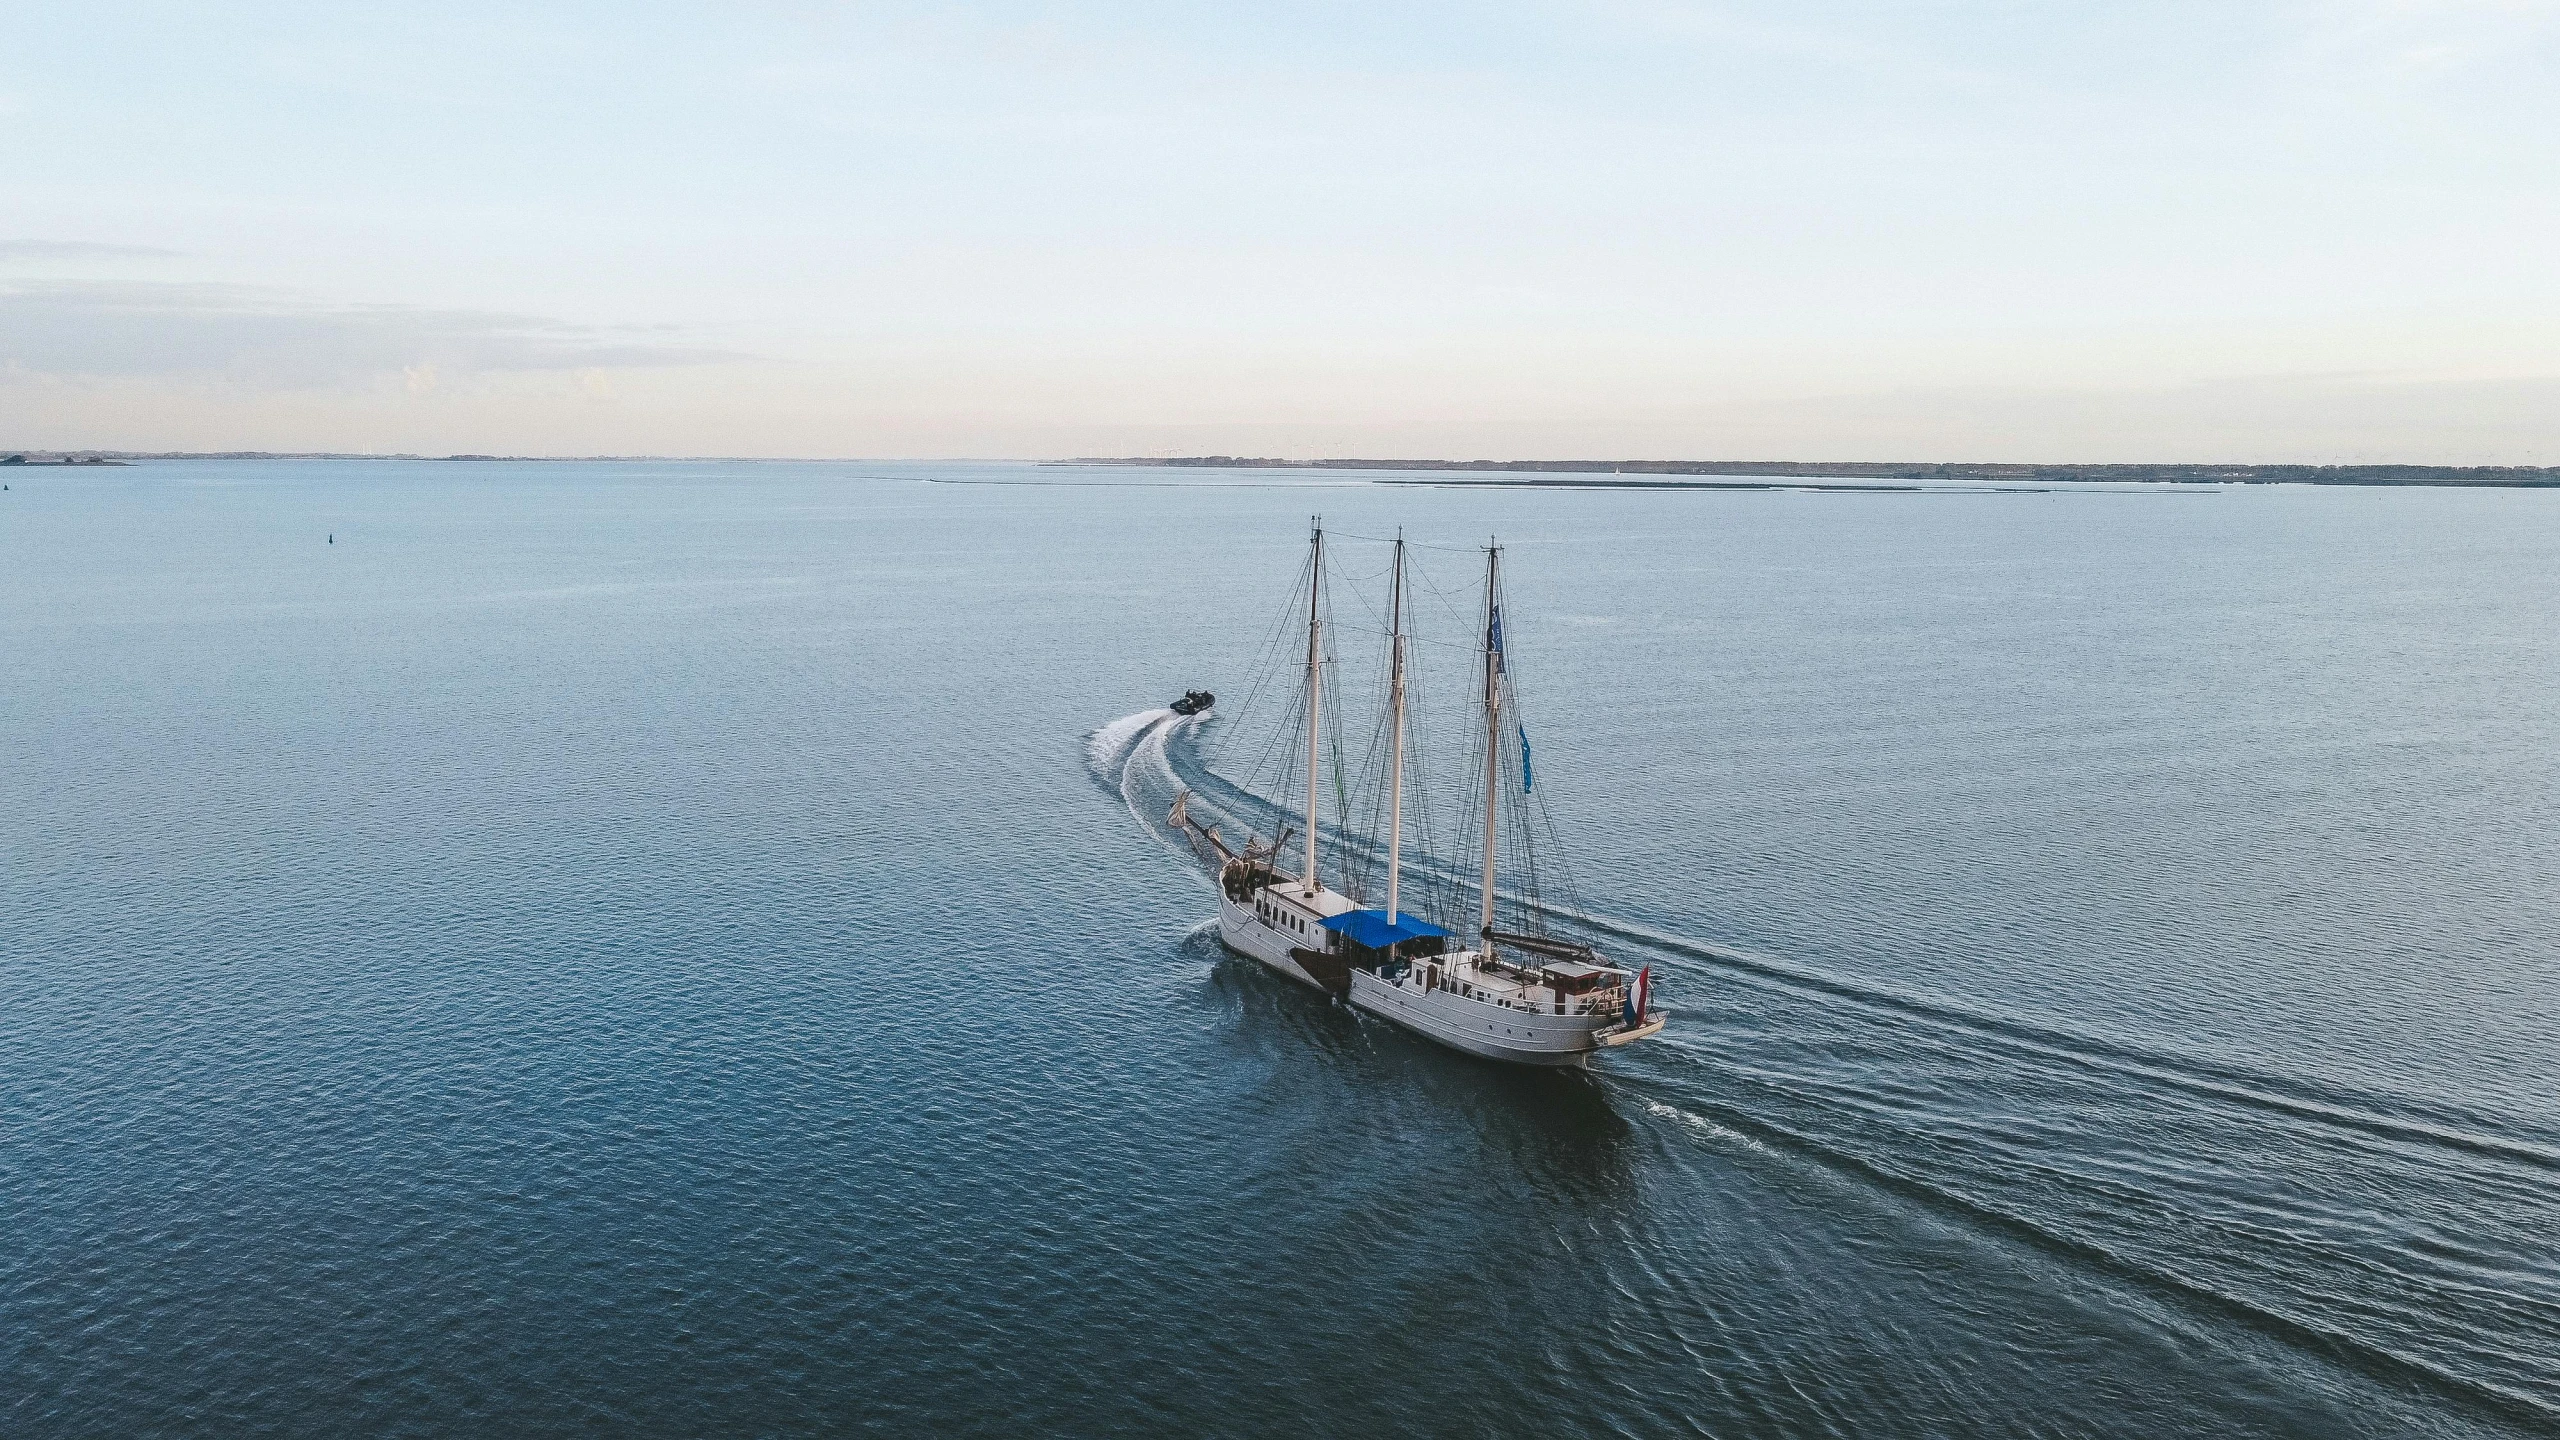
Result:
[333,537]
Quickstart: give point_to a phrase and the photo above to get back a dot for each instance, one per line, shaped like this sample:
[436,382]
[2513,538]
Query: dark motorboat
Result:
[1193,702]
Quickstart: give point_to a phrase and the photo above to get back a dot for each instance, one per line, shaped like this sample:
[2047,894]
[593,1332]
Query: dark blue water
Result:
[680,949]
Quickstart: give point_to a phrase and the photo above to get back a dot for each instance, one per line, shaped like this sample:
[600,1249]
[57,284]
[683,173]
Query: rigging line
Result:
[1557,860]
[1410,637]
[1381,756]
[1261,671]
[1362,596]
[1373,614]
[1245,713]
[1422,831]
[1361,861]
[1462,618]
[1361,848]
[1266,672]
[1548,859]
[1262,681]
[1284,739]
[1389,540]
[1284,767]
[1515,900]
[1467,592]
[1332,660]
[1464,645]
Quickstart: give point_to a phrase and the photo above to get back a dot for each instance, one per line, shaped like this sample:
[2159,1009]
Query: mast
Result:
[1315,689]
[1395,703]
[1492,734]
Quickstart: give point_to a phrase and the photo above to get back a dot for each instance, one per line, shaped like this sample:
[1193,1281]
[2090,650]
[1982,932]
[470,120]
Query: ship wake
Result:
[2399,1239]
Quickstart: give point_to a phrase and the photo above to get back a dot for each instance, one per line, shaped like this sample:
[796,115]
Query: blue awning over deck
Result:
[1373,929]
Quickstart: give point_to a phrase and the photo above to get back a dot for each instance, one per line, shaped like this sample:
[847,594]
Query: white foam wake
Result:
[1107,749]
[1128,755]
[1704,1126]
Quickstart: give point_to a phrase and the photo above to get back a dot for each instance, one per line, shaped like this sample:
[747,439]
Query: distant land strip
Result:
[1617,473]
[123,457]
[1576,474]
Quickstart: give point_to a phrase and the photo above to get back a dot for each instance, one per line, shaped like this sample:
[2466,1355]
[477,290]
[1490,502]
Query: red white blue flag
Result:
[1640,996]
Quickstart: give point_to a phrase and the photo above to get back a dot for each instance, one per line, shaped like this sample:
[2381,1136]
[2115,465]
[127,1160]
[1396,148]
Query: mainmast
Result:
[1315,689]
[1492,734]
[1395,703]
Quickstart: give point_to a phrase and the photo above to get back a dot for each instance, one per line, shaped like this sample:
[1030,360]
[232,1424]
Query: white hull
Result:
[1514,1033]
[1510,1033]
[1243,932]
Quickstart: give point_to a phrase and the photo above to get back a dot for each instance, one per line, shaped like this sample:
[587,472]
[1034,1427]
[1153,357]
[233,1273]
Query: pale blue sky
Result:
[2325,231]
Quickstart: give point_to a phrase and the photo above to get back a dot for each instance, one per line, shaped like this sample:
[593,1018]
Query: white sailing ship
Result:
[1511,996]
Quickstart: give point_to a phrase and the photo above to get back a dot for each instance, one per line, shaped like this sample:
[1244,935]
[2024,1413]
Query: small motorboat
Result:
[1193,702]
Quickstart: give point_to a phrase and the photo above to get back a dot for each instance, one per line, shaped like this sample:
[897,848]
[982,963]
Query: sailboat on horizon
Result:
[1510,995]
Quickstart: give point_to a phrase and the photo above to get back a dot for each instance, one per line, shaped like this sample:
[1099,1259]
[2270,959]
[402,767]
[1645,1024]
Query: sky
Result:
[2323,231]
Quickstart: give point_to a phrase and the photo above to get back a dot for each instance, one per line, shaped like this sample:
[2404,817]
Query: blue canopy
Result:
[1373,929]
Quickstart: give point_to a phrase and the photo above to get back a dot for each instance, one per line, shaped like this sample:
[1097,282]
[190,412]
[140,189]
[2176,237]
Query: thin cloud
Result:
[109,329]
[79,250]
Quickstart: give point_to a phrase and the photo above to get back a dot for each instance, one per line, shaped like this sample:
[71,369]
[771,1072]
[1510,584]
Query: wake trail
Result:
[1128,755]
[2298,1099]
[1725,1125]
[2041,1133]
[1107,748]
[2392,1118]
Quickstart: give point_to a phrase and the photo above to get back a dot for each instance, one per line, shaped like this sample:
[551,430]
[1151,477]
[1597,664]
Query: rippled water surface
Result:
[689,949]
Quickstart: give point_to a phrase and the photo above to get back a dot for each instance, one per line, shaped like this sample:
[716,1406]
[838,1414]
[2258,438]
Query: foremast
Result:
[1315,686]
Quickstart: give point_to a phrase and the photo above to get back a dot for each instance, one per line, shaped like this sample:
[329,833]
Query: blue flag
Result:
[1493,639]
[1526,783]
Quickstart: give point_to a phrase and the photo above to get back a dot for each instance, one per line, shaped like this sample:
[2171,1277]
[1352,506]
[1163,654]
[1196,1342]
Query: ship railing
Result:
[1598,1002]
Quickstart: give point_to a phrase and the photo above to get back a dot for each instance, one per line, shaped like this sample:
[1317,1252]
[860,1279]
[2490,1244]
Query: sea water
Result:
[674,949]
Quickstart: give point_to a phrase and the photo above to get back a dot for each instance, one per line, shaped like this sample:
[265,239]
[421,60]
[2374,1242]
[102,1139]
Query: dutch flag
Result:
[1640,996]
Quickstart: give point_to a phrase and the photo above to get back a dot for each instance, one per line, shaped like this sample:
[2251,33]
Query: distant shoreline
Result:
[125,457]
[1631,474]
[1555,474]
